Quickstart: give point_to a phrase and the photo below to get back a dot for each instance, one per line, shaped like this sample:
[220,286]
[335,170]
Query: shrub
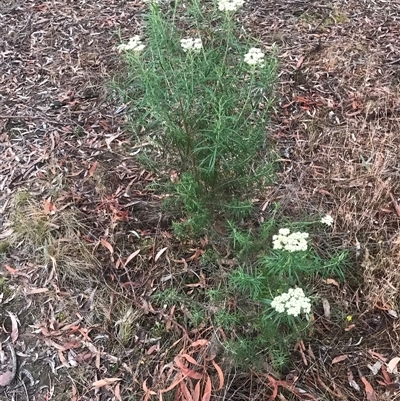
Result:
[205,98]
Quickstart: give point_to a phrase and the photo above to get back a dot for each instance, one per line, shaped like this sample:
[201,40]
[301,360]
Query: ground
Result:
[84,241]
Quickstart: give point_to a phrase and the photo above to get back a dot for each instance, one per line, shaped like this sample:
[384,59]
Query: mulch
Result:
[335,121]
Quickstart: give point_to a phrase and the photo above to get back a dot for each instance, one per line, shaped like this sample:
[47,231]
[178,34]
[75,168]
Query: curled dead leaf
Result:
[159,253]
[107,245]
[106,382]
[220,375]
[185,392]
[392,365]
[351,380]
[14,327]
[375,368]
[327,308]
[131,256]
[200,343]
[117,392]
[339,358]
[190,359]
[331,281]
[207,390]
[6,378]
[369,391]
[93,168]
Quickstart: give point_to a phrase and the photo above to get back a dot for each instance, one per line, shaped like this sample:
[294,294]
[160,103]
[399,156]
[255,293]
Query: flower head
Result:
[293,303]
[284,231]
[191,44]
[254,57]
[291,242]
[328,220]
[230,5]
[134,44]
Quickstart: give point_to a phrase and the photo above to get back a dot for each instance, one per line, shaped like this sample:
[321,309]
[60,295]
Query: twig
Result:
[16,116]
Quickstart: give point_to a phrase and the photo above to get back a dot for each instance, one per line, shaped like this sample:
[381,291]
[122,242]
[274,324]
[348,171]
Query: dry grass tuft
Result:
[382,277]
[53,238]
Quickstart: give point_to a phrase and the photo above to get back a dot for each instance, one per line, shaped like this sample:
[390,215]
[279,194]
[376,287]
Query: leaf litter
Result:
[333,123]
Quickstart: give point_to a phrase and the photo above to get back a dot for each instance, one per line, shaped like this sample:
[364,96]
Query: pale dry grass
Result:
[53,239]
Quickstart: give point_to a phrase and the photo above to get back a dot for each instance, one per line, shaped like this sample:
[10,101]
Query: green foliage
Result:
[265,273]
[189,195]
[239,210]
[228,321]
[197,315]
[5,288]
[4,245]
[250,284]
[242,241]
[209,259]
[242,351]
[296,266]
[168,296]
[208,110]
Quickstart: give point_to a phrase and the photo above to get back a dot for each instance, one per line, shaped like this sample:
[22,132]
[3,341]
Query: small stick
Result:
[12,116]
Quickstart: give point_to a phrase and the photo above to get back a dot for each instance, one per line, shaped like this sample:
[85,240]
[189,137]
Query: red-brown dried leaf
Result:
[105,382]
[178,379]
[74,394]
[93,168]
[190,359]
[107,245]
[117,392]
[331,281]
[369,391]
[207,390]
[378,355]
[131,256]
[185,392]
[300,62]
[200,343]
[274,386]
[49,207]
[196,394]
[339,358]
[386,376]
[220,375]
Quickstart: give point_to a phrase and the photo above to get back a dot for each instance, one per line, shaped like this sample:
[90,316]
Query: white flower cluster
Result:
[191,44]
[328,220]
[291,242]
[230,5]
[134,44]
[294,302]
[254,57]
